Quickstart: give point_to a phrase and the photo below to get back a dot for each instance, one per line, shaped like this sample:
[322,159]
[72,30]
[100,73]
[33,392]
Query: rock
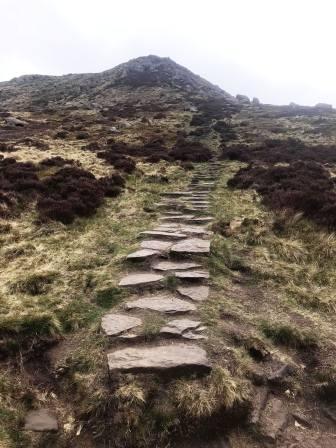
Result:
[156,245]
[303,420]
[186,328]
[11,121]
[274,418]
[323,106]
[243,99]
[197,293]
[114,324]
[142,254]
[193,336]
[259,400]
[178,358]
[140,279]
[280,374]
[170,235]
[179,326]
[192,275]
[176,218]
[255,101]
[235,224]
[191,246]
[174,265]
[41,420]
[162,303]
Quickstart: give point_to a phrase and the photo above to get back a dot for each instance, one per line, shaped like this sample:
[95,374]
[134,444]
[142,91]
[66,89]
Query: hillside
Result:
[167,274]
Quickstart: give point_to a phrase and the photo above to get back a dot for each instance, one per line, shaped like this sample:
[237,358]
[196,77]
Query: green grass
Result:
[290,336]
[109,297]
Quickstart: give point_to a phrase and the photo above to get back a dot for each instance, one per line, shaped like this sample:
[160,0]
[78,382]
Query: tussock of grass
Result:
[204,398]
[34,285]
[290,336]
[109,297]
[152,325]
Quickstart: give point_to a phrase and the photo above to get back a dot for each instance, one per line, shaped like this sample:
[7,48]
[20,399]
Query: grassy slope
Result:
[271,290]
[56,282]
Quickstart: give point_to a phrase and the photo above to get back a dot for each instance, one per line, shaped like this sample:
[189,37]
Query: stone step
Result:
[143,254]
[176,193]
[162,303]
[165,235]
[189,230]
[170,358]
[141,279]
[114,324]
[202,219]
[191,246]
[196,293]
[185,328]
[174,265]
[158,245]
[192,275]
[176,218]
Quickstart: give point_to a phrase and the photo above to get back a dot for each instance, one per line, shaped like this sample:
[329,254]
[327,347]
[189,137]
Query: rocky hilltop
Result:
[161,80]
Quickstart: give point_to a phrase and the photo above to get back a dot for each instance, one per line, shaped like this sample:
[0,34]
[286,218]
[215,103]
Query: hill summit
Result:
[150,78]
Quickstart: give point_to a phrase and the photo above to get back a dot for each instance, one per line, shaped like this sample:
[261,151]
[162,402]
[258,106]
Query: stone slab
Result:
[162,303]
[140,279]
[142,254]
[156,245]
[179,326]
[174,265]
[192,275]
[41,420]
[170,358]
[197,293]
[176,218]
[113,324]
[191,246]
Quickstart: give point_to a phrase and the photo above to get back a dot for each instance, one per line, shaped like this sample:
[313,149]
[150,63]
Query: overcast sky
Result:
[277,50]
